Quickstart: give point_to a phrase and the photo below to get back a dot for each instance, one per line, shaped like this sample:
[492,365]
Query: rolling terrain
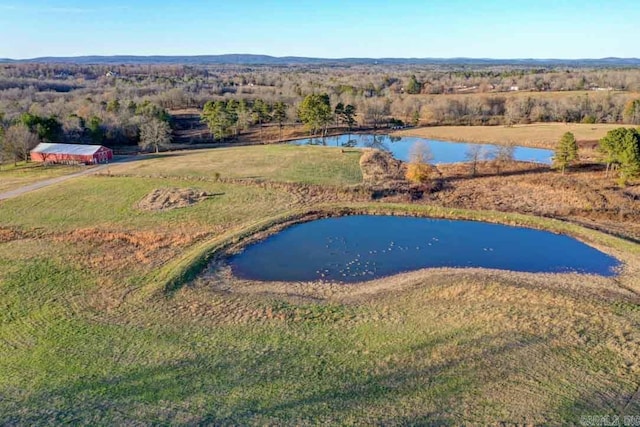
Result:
[252,59]
[107,315]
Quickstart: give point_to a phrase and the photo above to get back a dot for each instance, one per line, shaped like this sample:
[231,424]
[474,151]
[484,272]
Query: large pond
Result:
[364,247]
[443,151]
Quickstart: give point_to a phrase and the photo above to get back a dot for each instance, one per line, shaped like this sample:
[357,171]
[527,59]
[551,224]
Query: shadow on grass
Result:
[286,386]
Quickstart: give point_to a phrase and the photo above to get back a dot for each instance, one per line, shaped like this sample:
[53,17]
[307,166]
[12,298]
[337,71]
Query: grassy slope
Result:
[543,135]
[12,177]
[79,348]
[312,165]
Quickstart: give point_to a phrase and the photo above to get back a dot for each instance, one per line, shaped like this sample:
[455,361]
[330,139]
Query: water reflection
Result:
[443,151]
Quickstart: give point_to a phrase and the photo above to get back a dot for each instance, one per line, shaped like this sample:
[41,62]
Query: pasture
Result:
[21,174]
[91,334]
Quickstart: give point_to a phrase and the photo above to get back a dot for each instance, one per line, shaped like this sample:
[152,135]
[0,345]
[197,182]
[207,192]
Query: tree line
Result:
[110,104]
[229,118]
[147,125]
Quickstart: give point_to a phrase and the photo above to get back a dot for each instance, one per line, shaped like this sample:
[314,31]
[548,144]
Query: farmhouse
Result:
[71,153]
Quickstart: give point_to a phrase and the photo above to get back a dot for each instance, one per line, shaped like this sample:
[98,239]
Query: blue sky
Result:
[329,28]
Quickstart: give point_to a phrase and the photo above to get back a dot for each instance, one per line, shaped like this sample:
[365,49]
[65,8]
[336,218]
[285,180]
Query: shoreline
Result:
[196,262]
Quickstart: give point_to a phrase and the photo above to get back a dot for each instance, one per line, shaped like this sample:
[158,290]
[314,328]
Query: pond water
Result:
[443,151]
[365,247]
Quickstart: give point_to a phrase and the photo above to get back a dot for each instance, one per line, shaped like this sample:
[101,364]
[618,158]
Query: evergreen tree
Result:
[631,113]
[338,112]
[415,119]
[280,115]
[315,112]
[95,129]
[113,106]
[47,128]
[348,115]
[150,110]
[566,152]
[261,111]
[243,116]
[620,150]
[414,86]
[217,119]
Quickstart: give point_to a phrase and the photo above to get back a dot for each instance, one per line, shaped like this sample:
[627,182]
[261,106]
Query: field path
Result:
[47,182]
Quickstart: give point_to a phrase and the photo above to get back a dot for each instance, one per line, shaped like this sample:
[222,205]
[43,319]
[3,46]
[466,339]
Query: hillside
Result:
[251,59]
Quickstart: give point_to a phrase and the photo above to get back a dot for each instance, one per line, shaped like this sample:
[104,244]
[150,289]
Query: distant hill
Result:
[248,59]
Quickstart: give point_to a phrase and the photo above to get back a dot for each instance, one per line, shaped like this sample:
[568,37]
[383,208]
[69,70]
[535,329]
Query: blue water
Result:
[365,247]
[443,151]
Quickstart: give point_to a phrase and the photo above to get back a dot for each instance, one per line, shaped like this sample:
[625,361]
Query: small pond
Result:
[365,247]
[443,152]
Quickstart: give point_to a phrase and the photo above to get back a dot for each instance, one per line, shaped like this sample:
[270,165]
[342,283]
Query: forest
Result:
[112,104]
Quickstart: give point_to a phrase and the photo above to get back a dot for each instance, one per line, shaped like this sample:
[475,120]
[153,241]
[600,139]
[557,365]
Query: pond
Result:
[443,151]
[364,247]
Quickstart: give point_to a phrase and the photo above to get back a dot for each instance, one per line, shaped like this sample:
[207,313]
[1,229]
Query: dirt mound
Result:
[162,199]
[379,166]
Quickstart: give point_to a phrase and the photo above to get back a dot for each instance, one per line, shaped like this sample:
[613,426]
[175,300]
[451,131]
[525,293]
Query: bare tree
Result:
[502,155]
[474,154]
[375,111]
[154,133]
[19,141]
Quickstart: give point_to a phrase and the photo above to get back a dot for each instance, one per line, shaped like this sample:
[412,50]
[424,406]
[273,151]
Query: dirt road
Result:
[41,184]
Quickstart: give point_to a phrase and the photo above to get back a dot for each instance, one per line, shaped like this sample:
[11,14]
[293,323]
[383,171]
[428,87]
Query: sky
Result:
[565,29]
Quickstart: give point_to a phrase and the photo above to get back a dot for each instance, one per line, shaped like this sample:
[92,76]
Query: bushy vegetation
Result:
[419,168]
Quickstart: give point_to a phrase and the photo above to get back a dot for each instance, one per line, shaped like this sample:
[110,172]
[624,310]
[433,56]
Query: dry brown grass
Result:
[114,250]
[533,363]
[541,135]
[171,198]
[378,166]
[583,194]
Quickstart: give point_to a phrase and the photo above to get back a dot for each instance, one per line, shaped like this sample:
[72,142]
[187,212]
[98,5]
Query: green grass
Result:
[285,163]
[16,176]
[89,336]
[111,201]
[456,352]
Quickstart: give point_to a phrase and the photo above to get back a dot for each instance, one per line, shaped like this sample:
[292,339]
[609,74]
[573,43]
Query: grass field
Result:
[12,177]
[284,163]
[87,337]
[542,135]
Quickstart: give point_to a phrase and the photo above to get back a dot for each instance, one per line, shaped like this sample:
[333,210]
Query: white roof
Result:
[78,149]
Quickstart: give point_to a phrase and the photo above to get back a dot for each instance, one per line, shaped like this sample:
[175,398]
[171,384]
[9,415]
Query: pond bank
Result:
[181,271]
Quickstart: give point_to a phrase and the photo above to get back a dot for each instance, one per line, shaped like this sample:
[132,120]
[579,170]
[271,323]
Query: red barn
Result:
[71,153]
